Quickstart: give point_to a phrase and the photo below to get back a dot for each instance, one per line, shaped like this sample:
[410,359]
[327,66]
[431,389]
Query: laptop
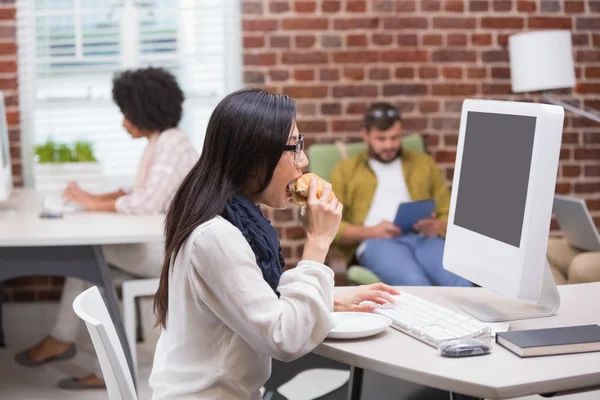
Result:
[576,223]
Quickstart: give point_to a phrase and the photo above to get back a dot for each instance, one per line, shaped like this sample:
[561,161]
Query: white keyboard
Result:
[429,322]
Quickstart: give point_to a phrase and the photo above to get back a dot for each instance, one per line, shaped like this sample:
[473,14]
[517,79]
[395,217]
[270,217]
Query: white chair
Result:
[131,290]
[90,307]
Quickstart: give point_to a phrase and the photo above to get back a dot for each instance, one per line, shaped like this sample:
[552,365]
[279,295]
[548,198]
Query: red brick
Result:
[354,74]
[405,23]
[432,40]
[492,56]
[446,124]
[587,23]
[592,170]
[592,72]
[312,126]
[500,73]
[355,23]
[593,88]
[383,5]
[571,171]
[354,108]
[412,124]
[305,6]
[596,39]
[314,57]
[587,154]
[254,77]
[427,107]
[496,88]
[478,5]
[277,7]
[280,41]
[565,154]
[356,40]
[331,109]
[296,232]
[382,39]
[455,89]
[591,138]
[502,39]
[503,22]
[456,39]
[481,39]
[430,5]
[8,84]
[8,49]
[428,72]
[563,188]
[405,6]
[8,67]
[549,23]
[452,72]
[306,92]
[306,109]
[355,57]
[548,6]
[527,6]
[279,75]
[379,74]
[255,8]
[572,7]
[7,14]
[331,41]
[454,22]
[586,187]
[450,140]
[404,56]
[12,117]
[355,91]
[407,40]
[329,74]
[454,56]
[409,89]
[305,41]
[445,156]
[356,6]
[457,6]
[580,39]
[310,24]
[254,42]
[263,59]
[346,125]
[331,6]
[259,25]
[304,75]
[404,72]
[502,5]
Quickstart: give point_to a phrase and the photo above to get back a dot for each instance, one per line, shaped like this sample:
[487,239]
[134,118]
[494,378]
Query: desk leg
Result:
[355,383]
[2,342]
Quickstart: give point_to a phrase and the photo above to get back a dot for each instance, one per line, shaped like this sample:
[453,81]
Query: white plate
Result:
[354,325]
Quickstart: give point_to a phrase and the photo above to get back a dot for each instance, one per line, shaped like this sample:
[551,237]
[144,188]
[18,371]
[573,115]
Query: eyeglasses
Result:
[296,148]
[389,113]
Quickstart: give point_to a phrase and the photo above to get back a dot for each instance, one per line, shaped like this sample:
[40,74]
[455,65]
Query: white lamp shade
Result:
[541,60]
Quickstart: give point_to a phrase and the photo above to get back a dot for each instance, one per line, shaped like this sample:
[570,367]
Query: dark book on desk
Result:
[551,341]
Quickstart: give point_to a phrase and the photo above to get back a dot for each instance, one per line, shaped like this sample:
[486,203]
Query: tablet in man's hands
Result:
[412,212]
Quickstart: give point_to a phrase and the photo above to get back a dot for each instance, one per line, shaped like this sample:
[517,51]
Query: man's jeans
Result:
[409,260]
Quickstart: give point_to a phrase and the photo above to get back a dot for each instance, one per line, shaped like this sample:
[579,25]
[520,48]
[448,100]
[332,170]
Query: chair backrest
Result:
[90,307]
[323,157]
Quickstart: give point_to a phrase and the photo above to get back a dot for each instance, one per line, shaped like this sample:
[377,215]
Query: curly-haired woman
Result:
[151,103]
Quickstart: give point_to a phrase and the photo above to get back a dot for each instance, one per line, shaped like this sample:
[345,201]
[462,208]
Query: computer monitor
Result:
[6,183]
[501,206]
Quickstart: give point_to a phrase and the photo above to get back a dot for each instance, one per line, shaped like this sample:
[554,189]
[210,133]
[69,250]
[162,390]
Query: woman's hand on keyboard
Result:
[364,297]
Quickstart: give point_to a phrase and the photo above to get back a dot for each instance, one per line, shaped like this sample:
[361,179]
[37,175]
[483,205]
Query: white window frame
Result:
[129,59]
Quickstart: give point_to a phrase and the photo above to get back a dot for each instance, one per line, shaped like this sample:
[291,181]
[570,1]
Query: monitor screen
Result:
[494,175]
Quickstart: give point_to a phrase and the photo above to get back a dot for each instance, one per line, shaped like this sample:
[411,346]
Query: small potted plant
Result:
[56,164]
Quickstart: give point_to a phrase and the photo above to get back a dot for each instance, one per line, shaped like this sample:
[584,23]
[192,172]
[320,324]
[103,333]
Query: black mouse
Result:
[465,347]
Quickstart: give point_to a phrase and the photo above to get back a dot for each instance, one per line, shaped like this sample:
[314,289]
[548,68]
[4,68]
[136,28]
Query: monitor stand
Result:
[504,310]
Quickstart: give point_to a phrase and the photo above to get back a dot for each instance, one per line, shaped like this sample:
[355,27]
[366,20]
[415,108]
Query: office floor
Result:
[27,323]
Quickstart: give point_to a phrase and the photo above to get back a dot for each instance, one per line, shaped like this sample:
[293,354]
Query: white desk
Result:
[68,246]
[499,375]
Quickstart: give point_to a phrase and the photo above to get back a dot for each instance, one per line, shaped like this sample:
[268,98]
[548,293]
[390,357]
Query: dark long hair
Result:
[245,139]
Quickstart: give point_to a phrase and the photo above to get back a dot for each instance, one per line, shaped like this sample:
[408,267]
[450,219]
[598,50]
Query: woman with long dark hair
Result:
[224,303]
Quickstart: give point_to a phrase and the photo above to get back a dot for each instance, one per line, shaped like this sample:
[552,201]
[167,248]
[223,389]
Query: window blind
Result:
[69,51]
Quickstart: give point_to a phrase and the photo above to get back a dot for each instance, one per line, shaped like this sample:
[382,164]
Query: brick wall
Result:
[426,56]
[336,57]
